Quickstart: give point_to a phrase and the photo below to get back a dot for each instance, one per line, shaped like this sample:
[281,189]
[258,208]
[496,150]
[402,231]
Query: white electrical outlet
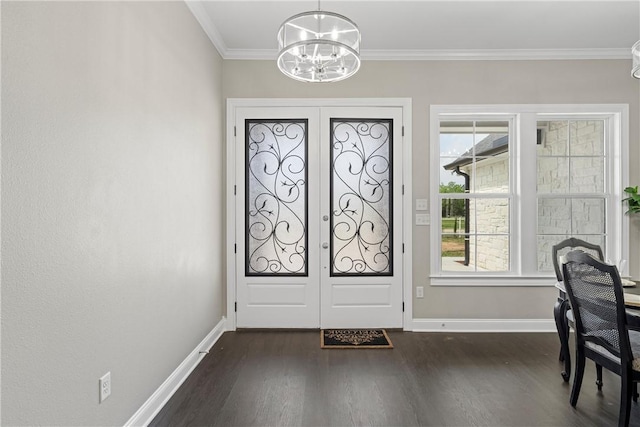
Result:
[105,386]
[420,292]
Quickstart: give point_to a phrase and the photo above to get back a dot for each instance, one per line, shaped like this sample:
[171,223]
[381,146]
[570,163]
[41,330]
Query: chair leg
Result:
[560,314]
[599,376]
[625,398]
[567,351]
[577,377]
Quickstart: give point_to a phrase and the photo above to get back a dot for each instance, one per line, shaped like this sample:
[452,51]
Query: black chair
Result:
[562,311]
[597,298]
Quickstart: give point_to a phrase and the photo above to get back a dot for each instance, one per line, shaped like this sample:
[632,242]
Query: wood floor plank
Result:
[282,378]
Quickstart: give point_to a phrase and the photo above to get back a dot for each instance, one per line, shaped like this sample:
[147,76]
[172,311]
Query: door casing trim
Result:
[407,201]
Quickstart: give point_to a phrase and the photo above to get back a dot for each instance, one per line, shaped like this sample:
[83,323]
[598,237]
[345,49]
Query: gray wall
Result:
[112,204]
[463,82]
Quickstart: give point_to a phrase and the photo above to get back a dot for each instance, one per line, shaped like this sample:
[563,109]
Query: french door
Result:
[318,217]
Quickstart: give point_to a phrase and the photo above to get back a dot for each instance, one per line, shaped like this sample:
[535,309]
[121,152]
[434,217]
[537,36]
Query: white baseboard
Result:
[159,398]
[484,325]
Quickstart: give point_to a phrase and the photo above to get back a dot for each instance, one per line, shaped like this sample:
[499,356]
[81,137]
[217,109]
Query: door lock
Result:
[325,245]
[325,218]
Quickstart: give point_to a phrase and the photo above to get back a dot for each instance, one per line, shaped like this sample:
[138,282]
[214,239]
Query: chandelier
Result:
[319,46]
[635,51]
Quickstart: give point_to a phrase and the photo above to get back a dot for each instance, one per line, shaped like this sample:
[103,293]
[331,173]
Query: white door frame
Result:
[407,201]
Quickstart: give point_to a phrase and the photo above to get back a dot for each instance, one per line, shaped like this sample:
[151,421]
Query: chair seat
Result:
[634,339]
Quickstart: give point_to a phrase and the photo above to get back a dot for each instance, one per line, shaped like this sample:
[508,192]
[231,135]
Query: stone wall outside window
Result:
[575,169]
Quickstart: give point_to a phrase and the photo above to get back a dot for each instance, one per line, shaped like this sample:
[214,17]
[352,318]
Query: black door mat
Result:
[354,338]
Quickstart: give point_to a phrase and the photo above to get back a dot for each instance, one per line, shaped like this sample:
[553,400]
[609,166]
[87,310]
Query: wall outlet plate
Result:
[105,386]
[420,292]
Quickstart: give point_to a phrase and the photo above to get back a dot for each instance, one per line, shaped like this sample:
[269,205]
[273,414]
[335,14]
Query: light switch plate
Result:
[422,219]
[422,204]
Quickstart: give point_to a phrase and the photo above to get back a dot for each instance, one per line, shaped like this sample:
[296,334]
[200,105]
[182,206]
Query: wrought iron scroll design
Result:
[361,197]
[276,197]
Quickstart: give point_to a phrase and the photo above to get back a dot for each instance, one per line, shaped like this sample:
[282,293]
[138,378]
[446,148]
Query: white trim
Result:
[484,325]
[199,11]
[555,109]
[159,398]
[475,280]
[230,236]
[233,103]
[621,130]
[407,212]
[494,54]
[435,54]
[524,211]
[404,103]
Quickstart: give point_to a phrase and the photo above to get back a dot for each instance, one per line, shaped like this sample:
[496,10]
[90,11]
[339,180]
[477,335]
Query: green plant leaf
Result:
[633,201]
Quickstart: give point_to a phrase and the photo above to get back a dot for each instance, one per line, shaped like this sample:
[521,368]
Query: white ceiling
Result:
[429,29]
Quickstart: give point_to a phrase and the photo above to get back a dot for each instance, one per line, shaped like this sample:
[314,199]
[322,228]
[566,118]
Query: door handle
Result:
[325,218]
[325,245]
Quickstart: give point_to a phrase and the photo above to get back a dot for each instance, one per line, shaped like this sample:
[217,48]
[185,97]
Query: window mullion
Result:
[527,241]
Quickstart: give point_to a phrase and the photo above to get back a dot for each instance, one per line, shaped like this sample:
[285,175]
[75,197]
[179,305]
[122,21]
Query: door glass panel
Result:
[276,197]
[361,200]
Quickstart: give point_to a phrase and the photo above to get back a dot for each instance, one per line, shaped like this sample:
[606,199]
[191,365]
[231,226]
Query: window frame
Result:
[523,204]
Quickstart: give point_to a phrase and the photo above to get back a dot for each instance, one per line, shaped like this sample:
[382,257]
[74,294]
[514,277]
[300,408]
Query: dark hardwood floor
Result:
[265,378]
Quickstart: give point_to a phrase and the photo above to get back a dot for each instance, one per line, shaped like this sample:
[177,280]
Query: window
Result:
[475,195]
[509,182]
[571,193]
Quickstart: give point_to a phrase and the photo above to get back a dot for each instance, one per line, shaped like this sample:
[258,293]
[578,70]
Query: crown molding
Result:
[494,54]
[199,12]
[457,54]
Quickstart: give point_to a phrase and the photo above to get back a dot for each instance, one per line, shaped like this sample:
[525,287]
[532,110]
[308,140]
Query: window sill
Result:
[494,281]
